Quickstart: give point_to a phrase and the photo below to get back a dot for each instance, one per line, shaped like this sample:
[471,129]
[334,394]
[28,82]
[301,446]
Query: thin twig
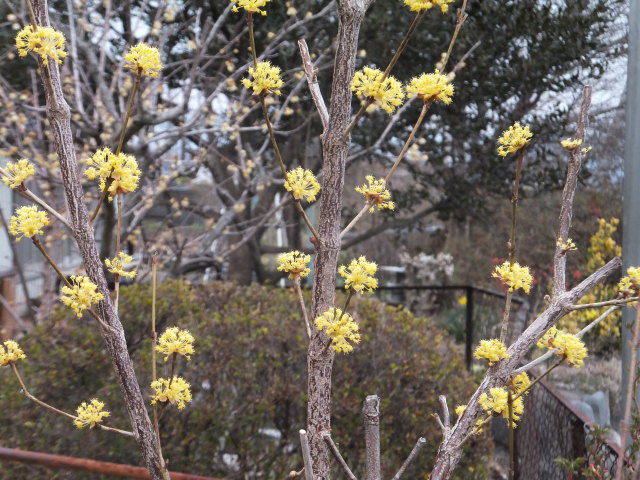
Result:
[312,80]
[306,455]
[461,19]
[445,413]
[616,302]
[412,456]
[154,339]
[333,448]
[298,289]
[371,414]
[566,209]
[361,213]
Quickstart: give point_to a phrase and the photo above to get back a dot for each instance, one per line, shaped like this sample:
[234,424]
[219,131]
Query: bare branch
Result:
[445,412]
[312,79]
[412,456]
[371,414]
[333,448]
[306,455]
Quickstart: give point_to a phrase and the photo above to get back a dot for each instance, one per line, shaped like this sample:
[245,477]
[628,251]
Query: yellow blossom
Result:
[492,350]
[90,414]
[81,295]
[175,341]
[295,263]
[266,79]
[376,194]
[369,86]
[143,58]
[340,327]
[565,345]
[462,301]
[513,139]
[359,275]
[431,86]
[250,6]
[460,409]
[117,265]
[28,222]
[120,171]
[479,423]
[497,403]
[302,184]
[571,143]
[10,353]
[514,276]
[567,246]
[175,391]
[420,5]
[44,41]
[629,285]
[520,383]
[18,173]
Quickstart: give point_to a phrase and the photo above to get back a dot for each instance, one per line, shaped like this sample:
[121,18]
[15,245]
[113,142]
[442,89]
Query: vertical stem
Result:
[116,278]
[298,289]
[468,346]
[371,413]
[129,111]
[252,39]
[511,428]
[154,338]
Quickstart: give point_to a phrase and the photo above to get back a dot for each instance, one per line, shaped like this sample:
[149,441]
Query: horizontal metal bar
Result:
[86,465]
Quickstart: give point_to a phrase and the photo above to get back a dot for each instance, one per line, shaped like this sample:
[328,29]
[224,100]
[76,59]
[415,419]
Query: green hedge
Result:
[248,375]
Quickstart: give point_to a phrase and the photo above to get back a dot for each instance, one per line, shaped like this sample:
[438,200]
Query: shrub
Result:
[248,381]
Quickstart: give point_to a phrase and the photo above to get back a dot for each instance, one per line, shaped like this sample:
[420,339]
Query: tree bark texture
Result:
[58,113]
[335,149]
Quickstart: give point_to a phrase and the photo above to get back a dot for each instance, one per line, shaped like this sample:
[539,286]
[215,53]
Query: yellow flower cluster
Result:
[567,246]
[565,345]
[28,222]
[122,169]
[492,350]
[10,353]
[376,194]
[295,263]
[250,6]
[460,410]
[18,173]
[302,184]
[143,58]
[513,276]
[497,403]
[266,79]
[175,341]
[629,285]
[430,86]
[81,295]
[44,41]
[369,86]
[90,414]
[520,383]
[571,143]
[175,391]
[359,275]
[117,265]
[420,5]
[340,327]
[513,139]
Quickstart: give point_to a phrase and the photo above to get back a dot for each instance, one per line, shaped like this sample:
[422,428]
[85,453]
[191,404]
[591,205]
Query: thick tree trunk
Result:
[335,149]
[59,117]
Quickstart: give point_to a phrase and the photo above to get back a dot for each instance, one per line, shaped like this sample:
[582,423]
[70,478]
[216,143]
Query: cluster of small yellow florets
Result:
[359,275]
[431,86]
[513,139]
[250,6]
[376,194]
[369,85]
[90,414]
[175,391]
[571,143]
[81,294]
[143,58]
[43,41]
[10,353]
[117,265]
[120,171]
[340,327]
[175,341]
[565,345]
[302,184]
[629,285]
[266,79]
[28,222]
[492,350]
[497,403]
[513,276]
[295,263]
[18,172]
[420,5]
[566,246]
